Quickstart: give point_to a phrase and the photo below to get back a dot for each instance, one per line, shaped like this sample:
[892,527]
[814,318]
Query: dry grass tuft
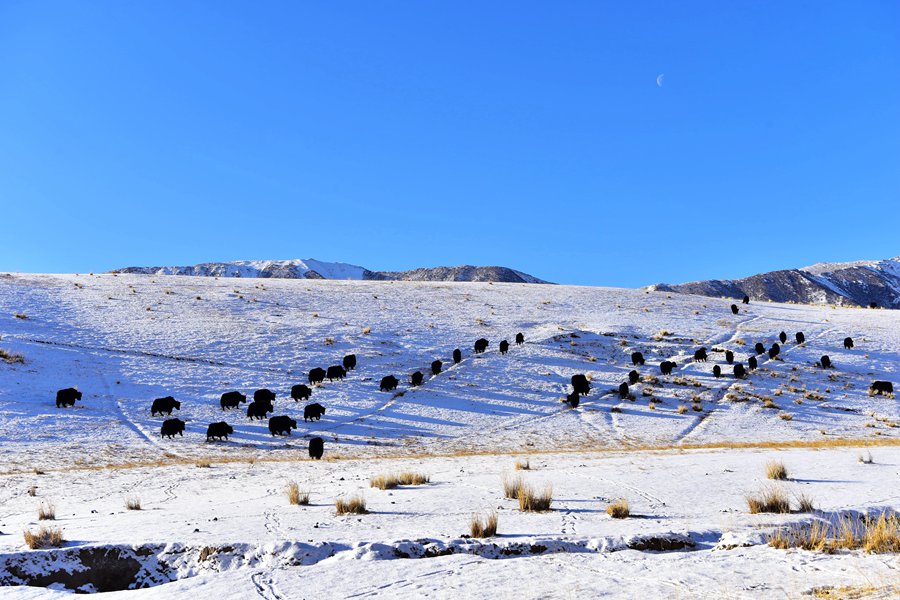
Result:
[203,464]
[874,535]
[45,537]
[329,341]
[682,409]
[805,504]
[786,416]
[132,503]
[511,487]
[412,478]
[523,465]
[20,315]
[771,500]
[295,496]
[354,505]
[531,500]
[661,335]
[775,469]
[47,511]
[619,509]
[483,526]
[32,491]
[11,357]
[384,482]
[367,330]
[768,403]
[865,459]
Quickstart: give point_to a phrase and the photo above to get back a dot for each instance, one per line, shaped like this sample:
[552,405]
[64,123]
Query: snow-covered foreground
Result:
[125,340]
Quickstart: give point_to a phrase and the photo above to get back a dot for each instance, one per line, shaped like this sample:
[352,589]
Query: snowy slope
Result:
[127,339]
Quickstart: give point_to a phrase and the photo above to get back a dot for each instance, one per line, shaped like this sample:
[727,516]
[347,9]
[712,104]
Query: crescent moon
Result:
[659,80]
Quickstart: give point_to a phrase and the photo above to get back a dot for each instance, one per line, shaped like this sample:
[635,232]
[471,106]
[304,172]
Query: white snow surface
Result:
[124,340]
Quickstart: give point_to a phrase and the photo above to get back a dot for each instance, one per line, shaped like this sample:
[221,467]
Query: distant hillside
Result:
[315,269]
[854,283]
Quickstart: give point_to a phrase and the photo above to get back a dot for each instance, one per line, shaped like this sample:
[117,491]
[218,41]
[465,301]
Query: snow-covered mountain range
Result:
[857,283]
[315,269]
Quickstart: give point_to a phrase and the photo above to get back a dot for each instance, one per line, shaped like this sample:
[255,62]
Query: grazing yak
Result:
[666,366]
[282,425]
[316,448]
[300,392]
[800,337]
[349,362]
[416,378]
[746,300]
[264,395]
[335,372]
[316,375]
[232,400]
[734,309]
[783,337]
[520,339]
[457,356]
[580,384]
[623,391]
[313,412]
[67,397]
[759,348]
[259,410]
[220,431]
[729,356]
[637,359]
[775,350]
[573,399]
[751,363]
[700,355]
[389,383]
[739,371]
[436,367]
[164,405]
[848,343]
[172,427]
[884,388]
[873,305]
[633,377]
[717,371]
[825,362]
[481,345]
[504,347]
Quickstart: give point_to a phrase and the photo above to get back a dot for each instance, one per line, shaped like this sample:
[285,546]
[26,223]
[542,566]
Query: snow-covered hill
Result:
[685,449]
[316,269]
[858,283]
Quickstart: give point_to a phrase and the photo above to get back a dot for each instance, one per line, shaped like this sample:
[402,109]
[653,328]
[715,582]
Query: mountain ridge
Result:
[314,269]
[855,283]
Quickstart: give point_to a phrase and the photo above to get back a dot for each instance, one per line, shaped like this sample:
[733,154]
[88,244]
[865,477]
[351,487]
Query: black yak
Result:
[335,372]
[481,345]
[220,431]
[884,388]
[637,359]
[164,405]
[848,343]
[729,356]
[739,371]
[800,337]
[520,339]
[700,355]
[264,395]
[67,397]
[436,367]
[751,363]
[316,375]
[282,425]
[734,309]
[259,410]
[313,412]
[717,371]
[416,378]
[573,399]
[783,337]
[759,348]
[232,400]
[457,356]
[388,383]
[316,448]
[580,384]
[825,361]
[746,300]
[666,366]
[633,377]
[300,392]
[504,347]
[623,391]
[172,427]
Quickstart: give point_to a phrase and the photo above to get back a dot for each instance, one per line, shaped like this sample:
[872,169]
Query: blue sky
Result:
[403,134]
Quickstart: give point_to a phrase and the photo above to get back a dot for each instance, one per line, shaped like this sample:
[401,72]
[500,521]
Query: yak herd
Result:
[263,399]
